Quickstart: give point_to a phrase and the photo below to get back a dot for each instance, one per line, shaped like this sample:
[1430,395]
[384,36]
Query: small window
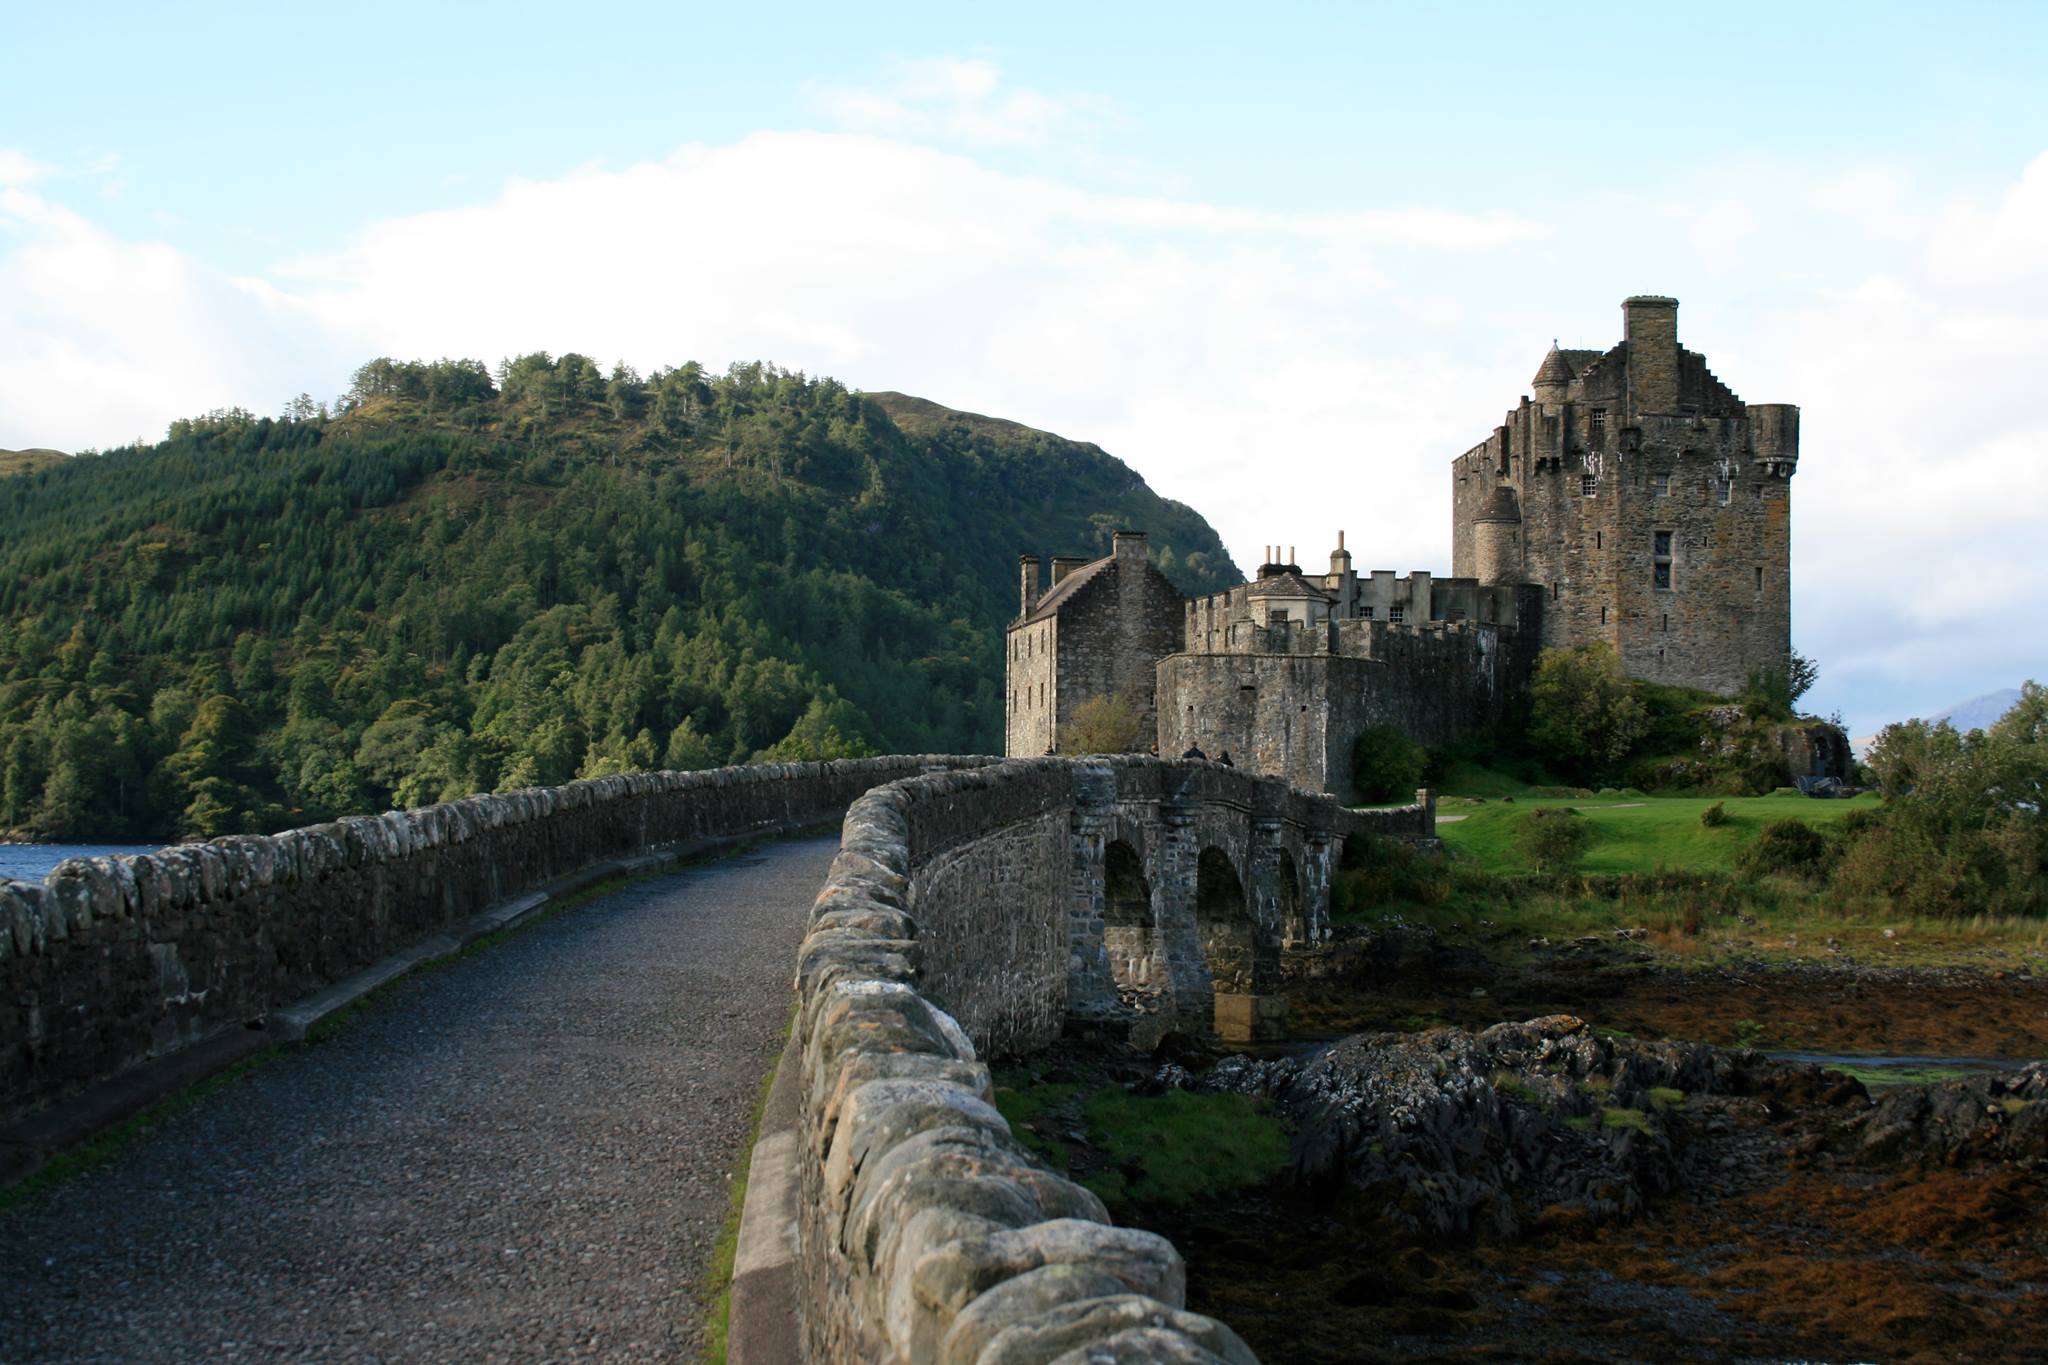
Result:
[1759,579]
[1365,613]
[1603,616]
[1395,614]
[1599,540]
[1660,485]
[1664,623]
[1590,485]
[1660,559]
[1596,424]
[1727,491]
[1553,592]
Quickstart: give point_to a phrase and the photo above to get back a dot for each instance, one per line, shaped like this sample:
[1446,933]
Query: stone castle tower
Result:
[1650,505]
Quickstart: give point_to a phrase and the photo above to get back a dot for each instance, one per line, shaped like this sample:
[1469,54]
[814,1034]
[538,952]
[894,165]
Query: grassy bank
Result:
[1631,834]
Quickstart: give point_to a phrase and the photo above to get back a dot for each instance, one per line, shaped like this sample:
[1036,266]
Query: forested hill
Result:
[463,581]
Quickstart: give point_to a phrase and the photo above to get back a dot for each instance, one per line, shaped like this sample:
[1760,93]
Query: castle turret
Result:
[1553,378]
[1497,537]
[1774,433]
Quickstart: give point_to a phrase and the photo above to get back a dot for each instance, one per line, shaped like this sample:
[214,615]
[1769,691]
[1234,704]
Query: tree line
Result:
[457,579]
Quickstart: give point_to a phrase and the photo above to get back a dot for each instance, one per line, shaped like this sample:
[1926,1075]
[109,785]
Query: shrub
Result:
[1714,816]
[1788,846]
[1386,764]
[1374,872]
[1106,724]
[1585,717]
[1554,836]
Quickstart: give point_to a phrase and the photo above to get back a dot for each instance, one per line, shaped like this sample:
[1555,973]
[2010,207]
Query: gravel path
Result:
[525,1155]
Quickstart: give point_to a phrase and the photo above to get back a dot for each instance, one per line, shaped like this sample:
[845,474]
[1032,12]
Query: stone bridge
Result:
[974,907]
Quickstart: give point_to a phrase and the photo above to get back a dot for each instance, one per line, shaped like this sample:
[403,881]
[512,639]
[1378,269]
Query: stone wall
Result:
[111,962]
[964,916]
[1298,715]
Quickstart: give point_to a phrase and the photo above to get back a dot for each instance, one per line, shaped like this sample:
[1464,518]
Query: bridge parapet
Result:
[983,912]
[110,963]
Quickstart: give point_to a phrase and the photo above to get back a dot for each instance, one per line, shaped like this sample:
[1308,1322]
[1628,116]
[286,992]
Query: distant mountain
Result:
[29,461]
[466,581]
[1978,713]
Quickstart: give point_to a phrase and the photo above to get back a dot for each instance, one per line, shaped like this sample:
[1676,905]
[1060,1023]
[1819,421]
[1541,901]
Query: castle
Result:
[1632,499]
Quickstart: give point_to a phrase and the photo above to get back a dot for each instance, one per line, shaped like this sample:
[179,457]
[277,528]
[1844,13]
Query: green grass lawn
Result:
[1633,833]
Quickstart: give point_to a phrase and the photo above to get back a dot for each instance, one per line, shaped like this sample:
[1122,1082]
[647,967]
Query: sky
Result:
[1287,260]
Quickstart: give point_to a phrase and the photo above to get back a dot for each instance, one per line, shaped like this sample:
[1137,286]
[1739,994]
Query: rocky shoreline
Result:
[1449,1133]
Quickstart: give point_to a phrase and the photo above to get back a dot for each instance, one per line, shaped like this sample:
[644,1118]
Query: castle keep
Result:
[1651,506]
[1632,499]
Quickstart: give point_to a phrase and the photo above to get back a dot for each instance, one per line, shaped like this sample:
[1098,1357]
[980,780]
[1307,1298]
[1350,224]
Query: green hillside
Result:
[29,461]
[463,581]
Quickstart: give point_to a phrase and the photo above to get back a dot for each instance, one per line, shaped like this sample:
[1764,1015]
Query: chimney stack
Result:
[1027,583]
[1130,545]
[1340,558]
[1062,565]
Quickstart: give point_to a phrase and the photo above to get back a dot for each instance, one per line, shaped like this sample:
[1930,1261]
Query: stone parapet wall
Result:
[946,930]
[112,962]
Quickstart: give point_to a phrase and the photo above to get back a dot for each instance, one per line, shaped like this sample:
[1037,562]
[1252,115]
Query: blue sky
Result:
[1286,259]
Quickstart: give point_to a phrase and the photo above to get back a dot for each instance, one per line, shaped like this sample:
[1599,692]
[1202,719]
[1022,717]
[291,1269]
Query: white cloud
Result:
[958,100]
[18,168]
[103,340]
[1287,373]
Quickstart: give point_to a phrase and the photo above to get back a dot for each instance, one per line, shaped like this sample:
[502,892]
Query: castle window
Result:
[1553,592]
[1727,491]
[1596,424]
[1660,559]
[1759,579]
[1365,613]
[1590,485]
[1661,485]
[1603,616]
[1599,540]
[1395,614]
[1664,623]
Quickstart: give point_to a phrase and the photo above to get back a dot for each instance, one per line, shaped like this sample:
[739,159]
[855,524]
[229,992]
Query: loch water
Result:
[32,862]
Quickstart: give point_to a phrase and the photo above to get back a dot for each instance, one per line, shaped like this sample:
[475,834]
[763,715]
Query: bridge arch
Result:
[1242,955]
[1130,922]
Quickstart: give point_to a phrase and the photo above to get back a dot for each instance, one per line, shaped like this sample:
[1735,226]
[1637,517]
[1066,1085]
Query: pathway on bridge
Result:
[525,1155]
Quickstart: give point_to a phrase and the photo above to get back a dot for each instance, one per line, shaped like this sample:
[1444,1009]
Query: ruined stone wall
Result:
[111,962]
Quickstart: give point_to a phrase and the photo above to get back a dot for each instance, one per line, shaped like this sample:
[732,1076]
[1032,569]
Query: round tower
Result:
[1554,379]
[1497,537]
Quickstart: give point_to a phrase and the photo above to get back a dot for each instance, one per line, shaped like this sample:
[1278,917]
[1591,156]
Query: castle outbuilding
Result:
[1632,499]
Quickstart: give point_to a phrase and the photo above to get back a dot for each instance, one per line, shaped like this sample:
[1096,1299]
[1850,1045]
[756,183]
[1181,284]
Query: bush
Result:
[1553,837]
[1585,717]
[1375,872]
[1106,724]
[1714,816]
[1788,846]
[1386,765]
